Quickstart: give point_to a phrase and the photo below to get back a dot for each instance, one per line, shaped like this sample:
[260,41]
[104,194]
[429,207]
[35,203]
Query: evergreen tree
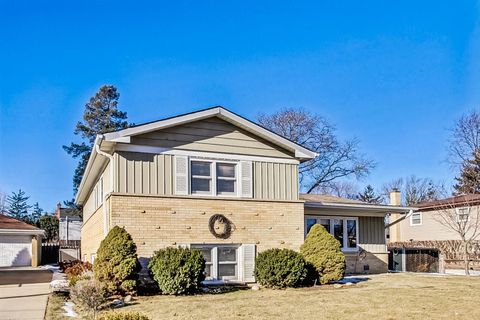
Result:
[49,224]
[37,213]
[101,115]
[368,195]
[469,179]
[17,205]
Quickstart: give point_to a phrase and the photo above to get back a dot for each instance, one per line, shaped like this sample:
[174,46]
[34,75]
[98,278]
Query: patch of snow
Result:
[69,312]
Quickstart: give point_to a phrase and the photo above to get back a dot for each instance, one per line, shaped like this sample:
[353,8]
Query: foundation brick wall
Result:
[158,222]
[377,262]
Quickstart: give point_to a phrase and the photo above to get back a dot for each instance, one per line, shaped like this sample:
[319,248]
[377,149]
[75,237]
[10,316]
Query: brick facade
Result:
[158,222]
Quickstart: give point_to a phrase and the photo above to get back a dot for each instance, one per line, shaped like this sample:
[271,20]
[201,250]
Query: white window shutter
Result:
[181,175]
[248,262]
[246,177]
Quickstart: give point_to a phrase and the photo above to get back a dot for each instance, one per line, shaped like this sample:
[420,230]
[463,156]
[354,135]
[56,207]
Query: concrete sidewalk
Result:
[24,293]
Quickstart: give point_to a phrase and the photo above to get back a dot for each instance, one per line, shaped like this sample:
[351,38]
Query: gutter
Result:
[364,207]
[98,142]
[22,231]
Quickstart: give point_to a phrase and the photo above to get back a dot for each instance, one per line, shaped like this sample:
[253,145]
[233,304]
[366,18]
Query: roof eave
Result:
[22,231]
[360,207]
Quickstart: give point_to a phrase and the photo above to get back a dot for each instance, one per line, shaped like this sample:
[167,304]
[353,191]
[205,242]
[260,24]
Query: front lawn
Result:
[389,296]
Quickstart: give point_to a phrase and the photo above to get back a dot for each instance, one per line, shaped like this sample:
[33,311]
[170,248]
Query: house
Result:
[216,181]
[70,226]
[425,224]
[20,243]
[428,239]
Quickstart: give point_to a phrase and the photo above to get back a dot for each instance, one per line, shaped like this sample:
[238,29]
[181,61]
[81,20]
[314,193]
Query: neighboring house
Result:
[424,224]
[218,182]
[69,232]
[20,243]
[423,241]
[70,224]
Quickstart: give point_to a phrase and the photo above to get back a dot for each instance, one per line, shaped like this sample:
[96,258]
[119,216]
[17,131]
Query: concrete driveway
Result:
[24,293]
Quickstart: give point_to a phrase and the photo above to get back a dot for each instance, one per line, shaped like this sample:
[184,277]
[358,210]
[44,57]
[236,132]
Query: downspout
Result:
[104,204]
[398,220]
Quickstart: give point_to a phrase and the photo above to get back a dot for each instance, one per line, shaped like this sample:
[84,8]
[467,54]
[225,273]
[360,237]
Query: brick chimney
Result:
[57,212]
[395,197]
[395,200]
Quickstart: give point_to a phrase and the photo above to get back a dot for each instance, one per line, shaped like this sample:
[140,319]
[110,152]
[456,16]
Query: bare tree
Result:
[415,190]
[462,216]
[336,159]
[342,189]
[464,141]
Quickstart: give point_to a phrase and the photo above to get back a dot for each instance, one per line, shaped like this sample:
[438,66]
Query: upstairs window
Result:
[213,178]
[201,177]
[463,214]
[416,219]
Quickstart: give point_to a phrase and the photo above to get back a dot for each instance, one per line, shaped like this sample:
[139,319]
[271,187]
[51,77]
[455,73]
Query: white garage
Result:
[20,243]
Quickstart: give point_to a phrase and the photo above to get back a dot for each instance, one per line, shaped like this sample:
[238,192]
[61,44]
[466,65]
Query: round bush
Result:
[128,315]
[280,268]
[116,265]
[178,271]
[324,252]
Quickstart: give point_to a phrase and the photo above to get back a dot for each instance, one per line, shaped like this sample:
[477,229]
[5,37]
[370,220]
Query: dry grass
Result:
[389,296]
[54,307]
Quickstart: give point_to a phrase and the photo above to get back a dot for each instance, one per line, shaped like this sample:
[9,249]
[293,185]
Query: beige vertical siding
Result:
[144,173]
[275,181]
[372,234]
[212,135]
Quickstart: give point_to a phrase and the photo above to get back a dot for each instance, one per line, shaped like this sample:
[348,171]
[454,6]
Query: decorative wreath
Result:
[221,234]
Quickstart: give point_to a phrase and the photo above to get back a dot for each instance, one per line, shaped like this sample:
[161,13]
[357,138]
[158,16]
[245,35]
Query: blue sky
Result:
[395,75]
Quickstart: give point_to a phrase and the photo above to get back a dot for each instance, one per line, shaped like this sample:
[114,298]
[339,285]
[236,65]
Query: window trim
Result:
[213,176]
[416,224]
[345,248]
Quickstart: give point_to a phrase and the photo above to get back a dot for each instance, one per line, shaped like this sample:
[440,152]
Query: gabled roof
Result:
[13,225]
[220,112]
[106,141]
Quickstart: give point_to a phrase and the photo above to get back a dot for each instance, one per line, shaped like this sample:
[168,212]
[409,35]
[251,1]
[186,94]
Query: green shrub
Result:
[128,315]
[280,268]
[178,271]
[89,296]
[116,265]
[324,252]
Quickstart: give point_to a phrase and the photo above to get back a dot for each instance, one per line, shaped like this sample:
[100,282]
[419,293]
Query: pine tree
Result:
[469,179]
[37,213]
[17,205]
[368,195]
[101,115]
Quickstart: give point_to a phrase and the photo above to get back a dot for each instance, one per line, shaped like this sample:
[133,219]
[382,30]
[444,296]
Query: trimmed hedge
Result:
[128,315]
[323,251]
[178,271]
[280,268]
[116,265]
